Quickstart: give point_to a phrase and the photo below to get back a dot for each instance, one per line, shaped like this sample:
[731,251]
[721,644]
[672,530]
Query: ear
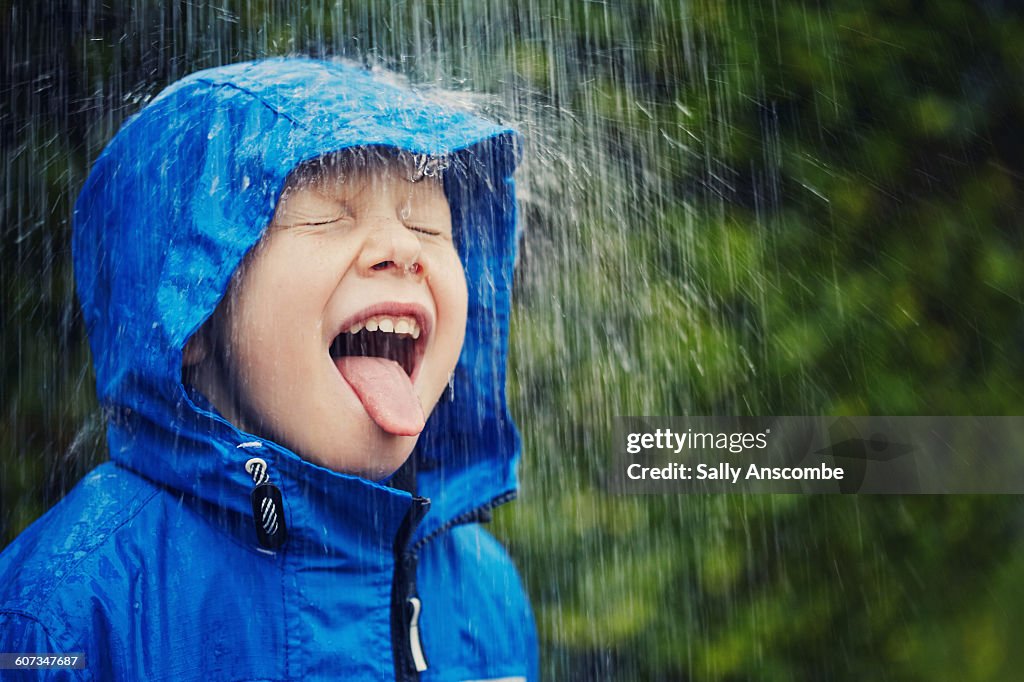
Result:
[197,349]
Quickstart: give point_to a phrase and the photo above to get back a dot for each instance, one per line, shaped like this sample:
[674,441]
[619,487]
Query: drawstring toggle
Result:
[267,506]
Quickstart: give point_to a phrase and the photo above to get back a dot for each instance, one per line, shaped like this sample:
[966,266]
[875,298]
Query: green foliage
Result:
[729,208]
[833,229]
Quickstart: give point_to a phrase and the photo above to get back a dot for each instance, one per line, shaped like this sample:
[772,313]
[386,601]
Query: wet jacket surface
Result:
[151,565]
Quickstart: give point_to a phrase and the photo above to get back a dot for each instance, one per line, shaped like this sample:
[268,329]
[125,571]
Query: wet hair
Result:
[415,167]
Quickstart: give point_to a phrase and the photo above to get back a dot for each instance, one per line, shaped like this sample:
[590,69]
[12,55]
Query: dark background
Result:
[786,207]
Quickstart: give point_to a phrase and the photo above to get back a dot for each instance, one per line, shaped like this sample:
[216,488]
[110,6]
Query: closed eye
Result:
[423,230]
[321,221]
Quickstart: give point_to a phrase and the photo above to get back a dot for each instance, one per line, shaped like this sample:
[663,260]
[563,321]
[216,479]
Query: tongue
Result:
[386,393]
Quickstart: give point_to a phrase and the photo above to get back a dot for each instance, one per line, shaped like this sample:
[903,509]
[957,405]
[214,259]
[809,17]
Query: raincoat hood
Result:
[170,210]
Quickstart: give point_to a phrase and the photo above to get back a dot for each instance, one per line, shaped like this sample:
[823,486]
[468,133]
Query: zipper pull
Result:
[415,647]
[267,505]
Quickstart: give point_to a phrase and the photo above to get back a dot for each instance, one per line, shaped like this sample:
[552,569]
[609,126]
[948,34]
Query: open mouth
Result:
[392,337]
[378,353]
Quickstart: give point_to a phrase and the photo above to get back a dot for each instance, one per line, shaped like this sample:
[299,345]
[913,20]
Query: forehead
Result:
[363,183]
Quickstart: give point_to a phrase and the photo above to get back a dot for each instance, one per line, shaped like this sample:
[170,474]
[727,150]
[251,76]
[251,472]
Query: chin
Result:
[382,456]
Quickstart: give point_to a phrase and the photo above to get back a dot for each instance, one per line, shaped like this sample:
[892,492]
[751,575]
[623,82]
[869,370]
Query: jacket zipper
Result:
[480,514]
[407,647]
[405,603]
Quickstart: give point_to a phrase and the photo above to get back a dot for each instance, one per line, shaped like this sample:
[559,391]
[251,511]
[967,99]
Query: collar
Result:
[193,451]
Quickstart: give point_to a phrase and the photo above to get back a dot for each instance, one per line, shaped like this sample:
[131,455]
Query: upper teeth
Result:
[386,323]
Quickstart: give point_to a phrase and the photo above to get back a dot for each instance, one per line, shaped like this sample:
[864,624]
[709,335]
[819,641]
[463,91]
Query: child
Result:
[285,267]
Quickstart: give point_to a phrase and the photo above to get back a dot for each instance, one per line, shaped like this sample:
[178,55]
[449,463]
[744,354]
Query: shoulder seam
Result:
[40,598]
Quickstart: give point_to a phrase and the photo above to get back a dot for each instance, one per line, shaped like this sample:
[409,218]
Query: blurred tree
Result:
[799,209]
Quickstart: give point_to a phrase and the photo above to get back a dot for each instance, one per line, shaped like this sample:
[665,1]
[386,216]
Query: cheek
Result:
[269,318]
[284,290]
[451,294]
[460,303]
[449,291]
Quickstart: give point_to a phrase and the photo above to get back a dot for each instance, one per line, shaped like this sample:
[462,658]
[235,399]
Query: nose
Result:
[391,246]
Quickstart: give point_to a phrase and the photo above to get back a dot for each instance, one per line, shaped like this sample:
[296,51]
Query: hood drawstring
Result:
[267,505]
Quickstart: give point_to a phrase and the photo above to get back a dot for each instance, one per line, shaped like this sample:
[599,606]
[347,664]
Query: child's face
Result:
[352,247]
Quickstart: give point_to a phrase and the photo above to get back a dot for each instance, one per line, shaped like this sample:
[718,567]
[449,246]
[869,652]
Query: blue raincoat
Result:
[152,566]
